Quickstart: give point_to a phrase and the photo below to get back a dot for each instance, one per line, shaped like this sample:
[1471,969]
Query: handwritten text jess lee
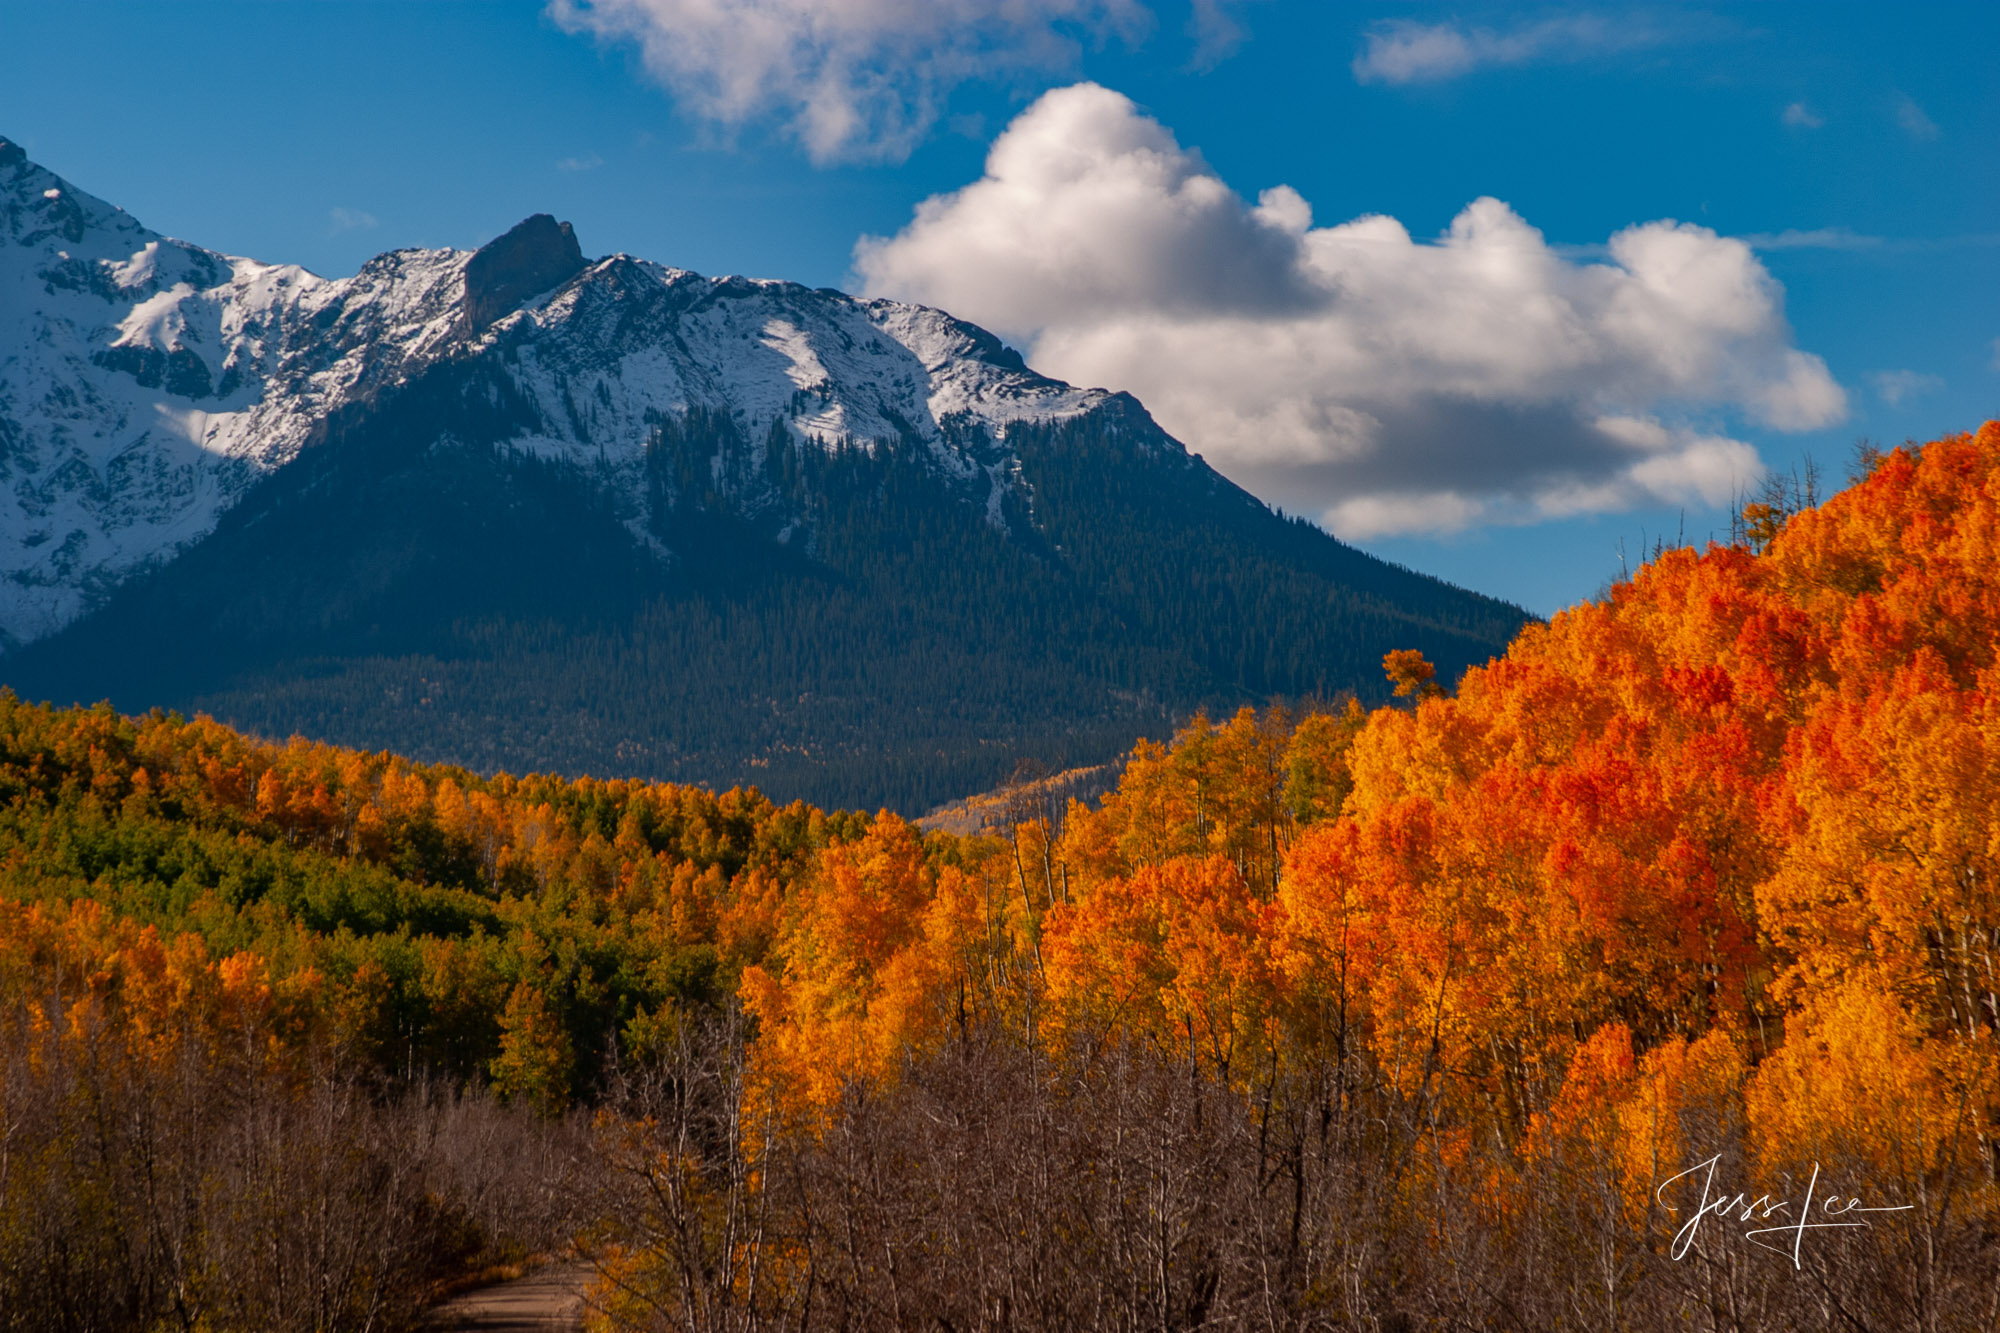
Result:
[1763,1208]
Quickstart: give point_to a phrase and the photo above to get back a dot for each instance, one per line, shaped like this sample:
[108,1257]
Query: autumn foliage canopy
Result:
[1711,864]
[1731,829]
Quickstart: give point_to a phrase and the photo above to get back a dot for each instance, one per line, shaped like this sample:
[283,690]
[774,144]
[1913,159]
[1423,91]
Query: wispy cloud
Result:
[1800,116]
[587,162]
[854,79]
[1995,363]
[1818,238]
[351,219]
[1893,386]
[1217,30]
[1400,51]
[1792,238]
[1913,119]
[1840,238]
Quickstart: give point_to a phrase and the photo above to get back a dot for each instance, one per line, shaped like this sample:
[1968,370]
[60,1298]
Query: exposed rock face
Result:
[146,383]
[539,254]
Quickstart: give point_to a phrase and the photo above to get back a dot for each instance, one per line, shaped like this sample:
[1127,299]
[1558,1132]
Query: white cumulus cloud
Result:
[1385,382]
[852,79]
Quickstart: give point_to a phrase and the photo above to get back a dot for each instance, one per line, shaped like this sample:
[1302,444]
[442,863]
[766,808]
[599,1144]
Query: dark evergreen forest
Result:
[847,626]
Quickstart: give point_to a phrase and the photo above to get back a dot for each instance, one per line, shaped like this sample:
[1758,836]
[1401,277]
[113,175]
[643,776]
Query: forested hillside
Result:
[1460,1012]
[838,625]
[519,509]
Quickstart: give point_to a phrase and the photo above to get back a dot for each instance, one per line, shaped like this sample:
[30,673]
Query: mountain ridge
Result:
[516,508]
[152,365]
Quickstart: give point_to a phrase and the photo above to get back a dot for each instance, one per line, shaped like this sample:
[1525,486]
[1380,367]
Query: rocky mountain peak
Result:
[147,383]
[537,254]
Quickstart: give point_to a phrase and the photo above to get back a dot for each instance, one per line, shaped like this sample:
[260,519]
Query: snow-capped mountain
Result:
[513,508]
[147,383]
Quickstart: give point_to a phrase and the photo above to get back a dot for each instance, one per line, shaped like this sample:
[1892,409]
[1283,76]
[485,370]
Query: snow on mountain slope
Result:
[628,343]
[146,383]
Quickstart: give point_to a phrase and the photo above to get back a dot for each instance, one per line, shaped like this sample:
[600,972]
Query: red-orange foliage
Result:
[1726,831]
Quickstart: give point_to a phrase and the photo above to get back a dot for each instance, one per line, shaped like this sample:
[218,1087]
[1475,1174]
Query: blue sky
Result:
[1425,404]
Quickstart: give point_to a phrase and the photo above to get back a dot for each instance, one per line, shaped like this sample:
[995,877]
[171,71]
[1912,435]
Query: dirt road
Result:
[547,1300]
